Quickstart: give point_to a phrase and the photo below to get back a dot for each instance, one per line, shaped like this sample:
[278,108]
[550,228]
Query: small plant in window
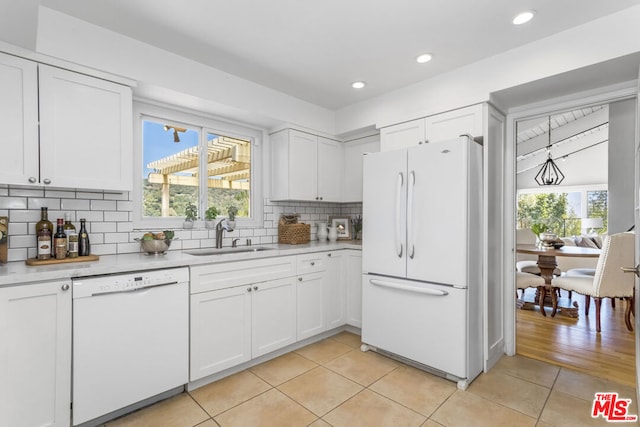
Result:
[210,216]
[232,211]
[190,215]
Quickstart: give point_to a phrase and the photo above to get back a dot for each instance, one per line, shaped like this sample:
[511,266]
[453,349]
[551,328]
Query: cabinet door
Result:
[310,306]
[354,287]
[330,168]
[35,355]
[335,290]
[402,135]
[220,330]
[19,121]
[353,157]
[303,166]
[273,315]
[85,131]
[454,123]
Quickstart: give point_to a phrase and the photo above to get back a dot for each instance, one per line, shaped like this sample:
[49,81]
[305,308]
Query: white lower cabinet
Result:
[35,355]
[273,315]
[310,305]
[220,330]
[321,293]
[335,290]
[353,281]
[236,318]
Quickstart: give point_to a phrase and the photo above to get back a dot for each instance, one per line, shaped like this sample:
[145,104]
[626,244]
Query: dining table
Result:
[546,295]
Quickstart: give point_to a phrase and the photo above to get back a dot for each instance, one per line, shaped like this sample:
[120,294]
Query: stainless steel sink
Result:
[223,251]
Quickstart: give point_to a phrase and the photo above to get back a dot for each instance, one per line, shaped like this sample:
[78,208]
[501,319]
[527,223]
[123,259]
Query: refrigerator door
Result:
[437,209]
[384,212]
[420,321]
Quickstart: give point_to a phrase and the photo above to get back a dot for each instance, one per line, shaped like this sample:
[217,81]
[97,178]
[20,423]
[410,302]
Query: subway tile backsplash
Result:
[109,220]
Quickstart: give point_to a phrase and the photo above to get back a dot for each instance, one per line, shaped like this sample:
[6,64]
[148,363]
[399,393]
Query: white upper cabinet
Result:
[85,131]
[353,154]
[442,126]
[18,120]
[85,135]
[402,135]
[330,165]
[452,124]
[305,167]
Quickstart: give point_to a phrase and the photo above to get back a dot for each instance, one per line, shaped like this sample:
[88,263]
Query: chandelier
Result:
[549,173]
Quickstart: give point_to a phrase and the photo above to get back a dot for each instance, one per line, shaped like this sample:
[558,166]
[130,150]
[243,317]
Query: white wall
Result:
[621,165]
[171,78]
[596,41]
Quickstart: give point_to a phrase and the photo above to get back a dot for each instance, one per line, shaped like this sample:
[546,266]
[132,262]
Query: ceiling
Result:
[315,50]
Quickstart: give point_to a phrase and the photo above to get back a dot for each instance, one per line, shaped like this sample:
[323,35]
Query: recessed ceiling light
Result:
[423,58]
[523,18]
[358,85]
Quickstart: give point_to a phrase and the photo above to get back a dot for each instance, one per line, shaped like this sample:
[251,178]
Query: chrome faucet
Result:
[234,243]
[220,228]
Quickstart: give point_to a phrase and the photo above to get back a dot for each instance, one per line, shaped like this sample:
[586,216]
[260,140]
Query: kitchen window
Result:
[187,159]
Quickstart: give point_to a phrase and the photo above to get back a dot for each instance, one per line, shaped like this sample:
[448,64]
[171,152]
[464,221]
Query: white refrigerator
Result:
[422,256]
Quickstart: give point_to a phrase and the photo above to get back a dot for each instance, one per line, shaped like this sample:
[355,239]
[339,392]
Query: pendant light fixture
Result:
[549,173]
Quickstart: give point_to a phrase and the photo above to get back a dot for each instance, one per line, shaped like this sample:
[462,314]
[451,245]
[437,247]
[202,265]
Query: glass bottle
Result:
[68,228]
[44,243]
[60,240]
[44,223]
[72,243]
[84,247]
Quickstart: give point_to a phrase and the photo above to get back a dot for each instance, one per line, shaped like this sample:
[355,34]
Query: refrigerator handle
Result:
[399,184]
[410,246]
[428,291]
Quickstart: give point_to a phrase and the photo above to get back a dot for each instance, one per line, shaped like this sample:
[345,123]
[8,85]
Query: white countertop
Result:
[18,272]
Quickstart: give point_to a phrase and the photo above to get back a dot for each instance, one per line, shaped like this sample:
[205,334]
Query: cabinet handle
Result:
[47,181]
[249,289]
[299,279]
[255,288]
[32,179]
[317,198]
[329,254]
[419,142]
[320,198]
[313,263]
[65,287]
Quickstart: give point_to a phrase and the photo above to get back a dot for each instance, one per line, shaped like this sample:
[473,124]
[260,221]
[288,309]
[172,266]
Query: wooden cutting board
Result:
[35,261]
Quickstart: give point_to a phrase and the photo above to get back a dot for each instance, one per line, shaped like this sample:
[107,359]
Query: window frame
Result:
[204,124]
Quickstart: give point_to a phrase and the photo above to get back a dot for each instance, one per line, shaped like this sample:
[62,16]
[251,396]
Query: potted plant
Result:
[190,215]
[232,211]
[210,217]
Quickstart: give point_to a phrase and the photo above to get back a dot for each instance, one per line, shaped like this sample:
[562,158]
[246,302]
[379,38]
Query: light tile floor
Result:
[332,383]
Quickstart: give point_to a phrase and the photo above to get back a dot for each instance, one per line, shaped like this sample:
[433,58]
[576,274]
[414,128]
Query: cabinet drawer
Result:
[219,276]
[310,263]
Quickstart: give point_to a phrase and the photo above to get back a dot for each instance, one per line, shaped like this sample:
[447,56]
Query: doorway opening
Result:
[577,211]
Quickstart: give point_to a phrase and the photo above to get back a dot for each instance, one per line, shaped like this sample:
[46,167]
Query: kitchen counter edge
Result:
[17,272]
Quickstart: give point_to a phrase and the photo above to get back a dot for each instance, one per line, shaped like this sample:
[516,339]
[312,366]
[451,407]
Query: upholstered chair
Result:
[528,280]
[608,281]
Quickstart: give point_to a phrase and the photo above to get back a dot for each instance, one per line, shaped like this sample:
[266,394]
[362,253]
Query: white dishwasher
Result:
[130,339]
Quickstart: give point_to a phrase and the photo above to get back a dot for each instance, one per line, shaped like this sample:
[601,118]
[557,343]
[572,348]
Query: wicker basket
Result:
[294,234]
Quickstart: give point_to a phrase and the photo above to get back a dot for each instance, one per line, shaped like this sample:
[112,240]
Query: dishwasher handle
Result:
[126,291]
[428,291]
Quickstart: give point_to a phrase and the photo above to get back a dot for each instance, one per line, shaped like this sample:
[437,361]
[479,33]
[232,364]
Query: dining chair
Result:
[528,263]
[528,280]
[608,281]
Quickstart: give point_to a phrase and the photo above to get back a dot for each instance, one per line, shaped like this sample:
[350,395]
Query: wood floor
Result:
[574,343]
